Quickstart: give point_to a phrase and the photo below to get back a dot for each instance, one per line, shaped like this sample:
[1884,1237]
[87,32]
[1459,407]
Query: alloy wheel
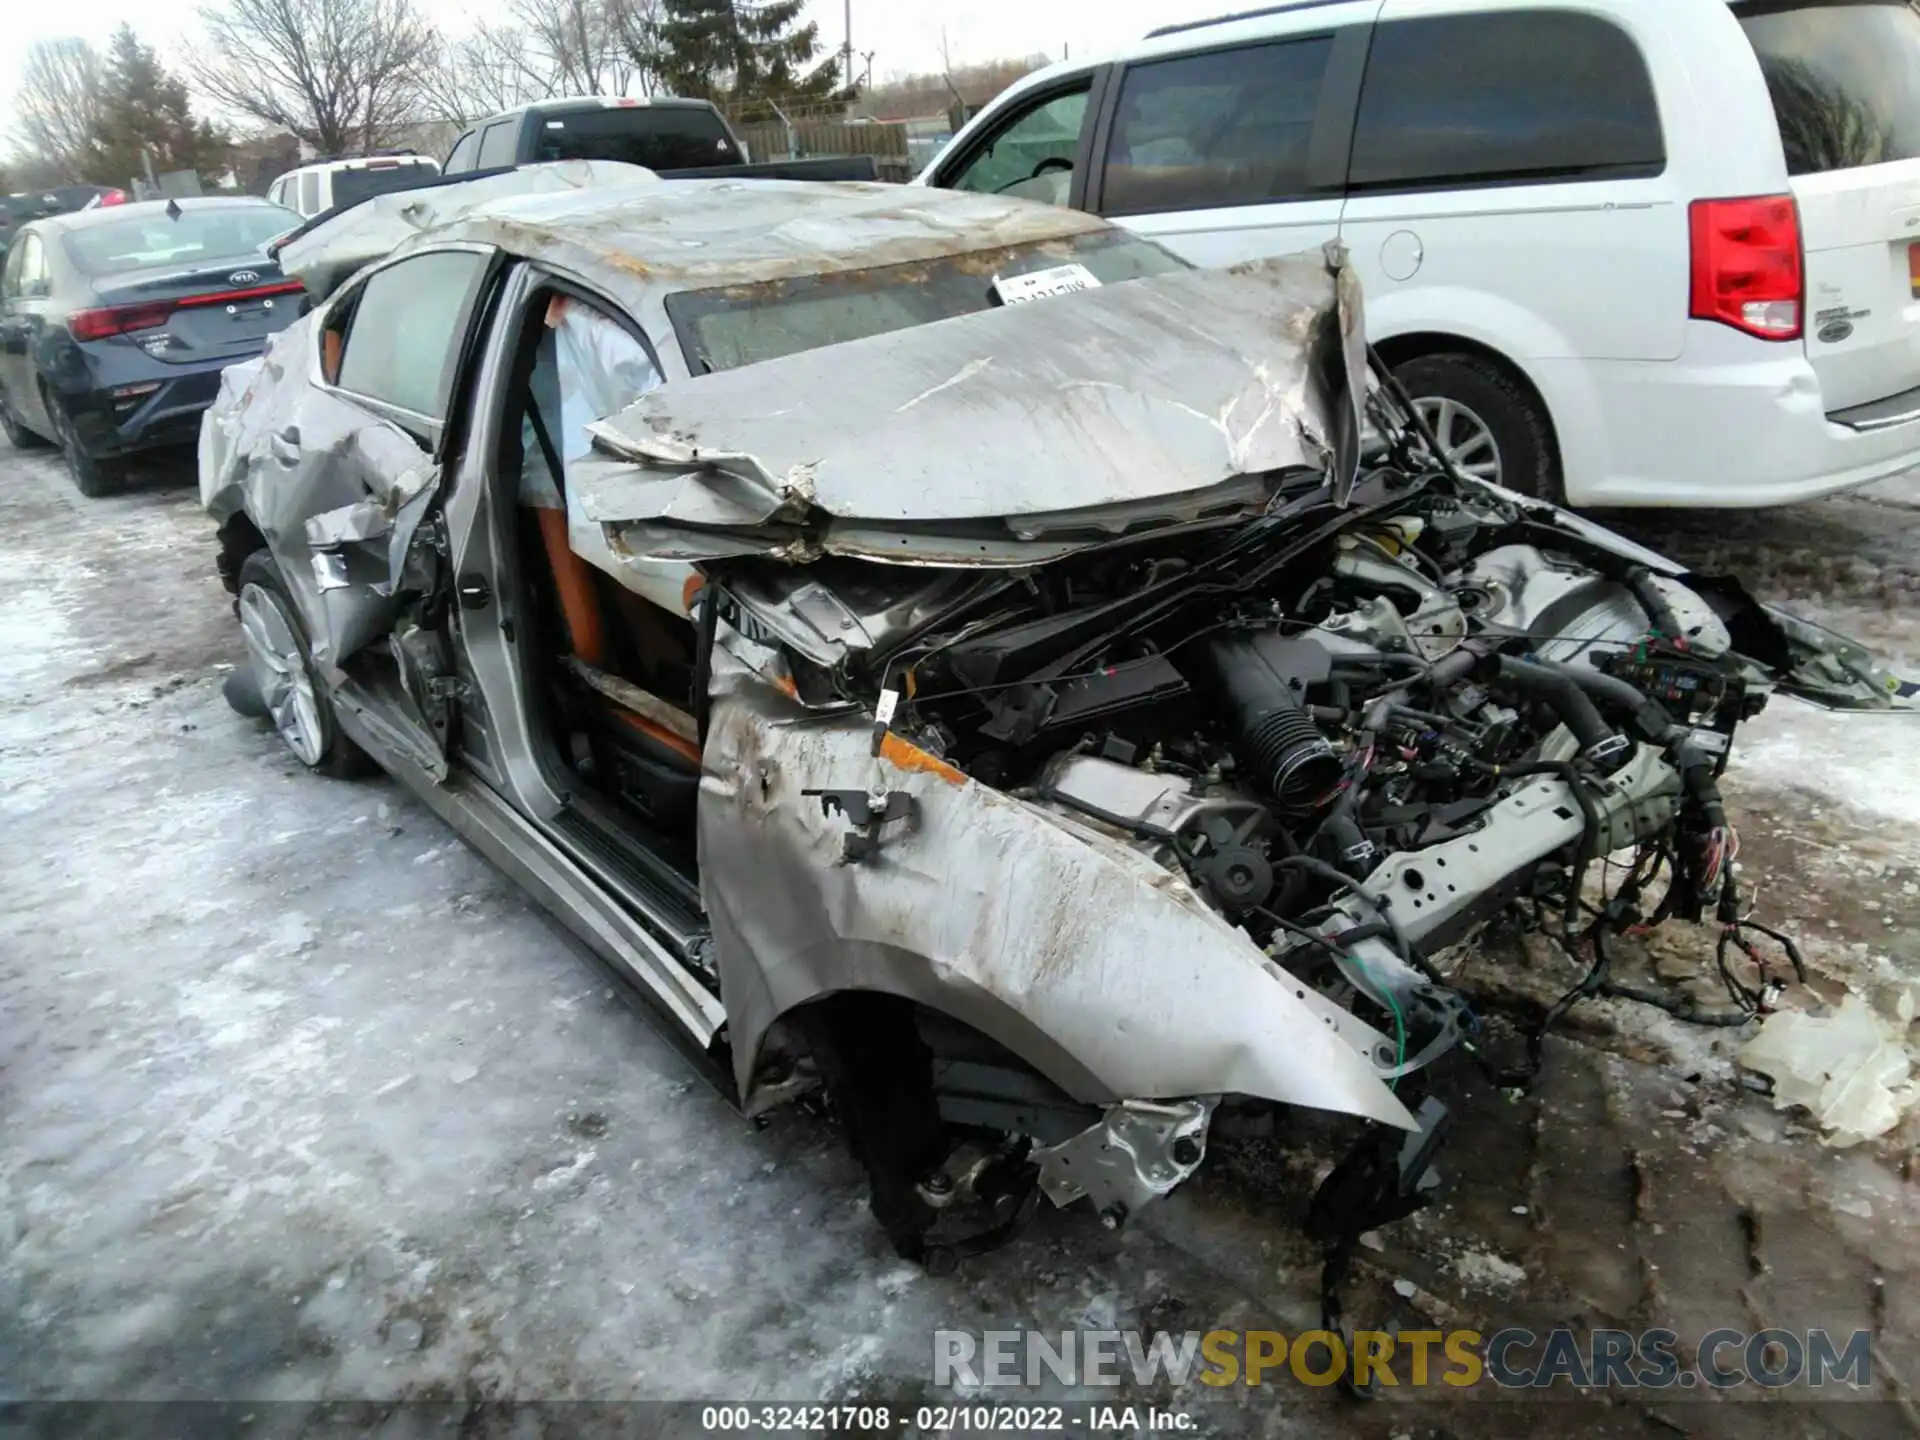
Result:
[1464,437]
[280,669]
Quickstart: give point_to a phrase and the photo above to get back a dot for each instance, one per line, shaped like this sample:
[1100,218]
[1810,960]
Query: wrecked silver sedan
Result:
[950,655]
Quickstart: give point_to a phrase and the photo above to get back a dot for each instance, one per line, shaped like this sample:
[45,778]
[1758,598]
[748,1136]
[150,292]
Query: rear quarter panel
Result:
[1577,269]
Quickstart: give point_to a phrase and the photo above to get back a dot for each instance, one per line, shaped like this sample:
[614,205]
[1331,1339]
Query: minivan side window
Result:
[498,142]
[397,347]
[1223,127]
[1504,96]
[310,193]
[1032,154]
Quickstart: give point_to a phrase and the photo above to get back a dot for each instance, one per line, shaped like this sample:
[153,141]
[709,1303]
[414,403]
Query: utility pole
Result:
[846,63]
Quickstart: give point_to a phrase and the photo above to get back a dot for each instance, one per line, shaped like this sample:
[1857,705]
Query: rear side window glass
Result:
[27,268]
[497,144]
[1521,95]
[1230,127]
[310,193]
[1845,81]
[465,150]
[409,320]
[665,137]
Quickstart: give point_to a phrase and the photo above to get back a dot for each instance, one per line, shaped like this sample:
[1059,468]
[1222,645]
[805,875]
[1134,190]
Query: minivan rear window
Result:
[1508,96]
[665,137]
[1845,80]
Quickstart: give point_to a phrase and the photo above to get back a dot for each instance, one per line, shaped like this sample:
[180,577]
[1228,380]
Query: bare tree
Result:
[58,102]
[339,74]
[637,26]
[583,39]
[547,48]
[489,69]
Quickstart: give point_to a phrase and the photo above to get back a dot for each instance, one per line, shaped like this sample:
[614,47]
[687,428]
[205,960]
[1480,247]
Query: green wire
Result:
[1399,1020]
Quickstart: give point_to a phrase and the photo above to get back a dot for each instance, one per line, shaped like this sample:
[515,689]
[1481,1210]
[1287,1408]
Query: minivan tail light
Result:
[1747,265]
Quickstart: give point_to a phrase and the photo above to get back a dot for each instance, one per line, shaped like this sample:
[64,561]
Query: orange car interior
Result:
[599,637]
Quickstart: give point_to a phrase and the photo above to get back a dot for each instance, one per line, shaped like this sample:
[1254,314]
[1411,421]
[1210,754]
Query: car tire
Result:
[93,475]
[1497,429]
[18,435]
[281,660]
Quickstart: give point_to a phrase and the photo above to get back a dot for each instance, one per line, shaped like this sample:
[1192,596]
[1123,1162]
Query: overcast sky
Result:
[905,35]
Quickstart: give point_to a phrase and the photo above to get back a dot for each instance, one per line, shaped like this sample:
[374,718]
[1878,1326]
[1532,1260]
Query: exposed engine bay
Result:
[1357,732]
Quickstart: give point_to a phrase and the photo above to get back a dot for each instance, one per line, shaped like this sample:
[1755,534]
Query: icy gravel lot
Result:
[300,1100]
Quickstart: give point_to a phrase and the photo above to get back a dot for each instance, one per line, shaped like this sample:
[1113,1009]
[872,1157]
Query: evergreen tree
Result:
[144,111]
[740,52]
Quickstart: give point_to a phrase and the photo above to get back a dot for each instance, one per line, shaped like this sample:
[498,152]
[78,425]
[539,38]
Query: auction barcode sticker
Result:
[1039,284]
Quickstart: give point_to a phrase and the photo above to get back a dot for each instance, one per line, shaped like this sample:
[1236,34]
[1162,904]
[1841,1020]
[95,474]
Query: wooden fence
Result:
[817,137]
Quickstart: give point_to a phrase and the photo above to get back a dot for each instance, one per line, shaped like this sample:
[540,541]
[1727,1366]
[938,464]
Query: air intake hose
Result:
[1562,694]
[1280,748]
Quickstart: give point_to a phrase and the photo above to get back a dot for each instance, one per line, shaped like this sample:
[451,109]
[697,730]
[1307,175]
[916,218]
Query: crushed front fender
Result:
[1094,965]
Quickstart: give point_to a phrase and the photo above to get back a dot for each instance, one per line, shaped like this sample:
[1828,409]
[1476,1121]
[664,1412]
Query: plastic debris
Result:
[1850,1069]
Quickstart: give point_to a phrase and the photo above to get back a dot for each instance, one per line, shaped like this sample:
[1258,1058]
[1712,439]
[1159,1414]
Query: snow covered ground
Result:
[300,1100]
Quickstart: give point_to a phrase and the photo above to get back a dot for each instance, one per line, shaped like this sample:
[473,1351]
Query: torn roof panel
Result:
[663,235]
[1111,397]
[324,254]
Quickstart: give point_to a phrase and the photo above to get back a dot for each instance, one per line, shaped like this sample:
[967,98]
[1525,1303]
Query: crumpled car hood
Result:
[1149,400]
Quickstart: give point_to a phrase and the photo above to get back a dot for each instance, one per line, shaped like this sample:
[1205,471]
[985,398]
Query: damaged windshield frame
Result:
[919,291]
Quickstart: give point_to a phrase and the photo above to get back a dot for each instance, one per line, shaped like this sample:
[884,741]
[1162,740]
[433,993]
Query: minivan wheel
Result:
[1485,420]
[281,662]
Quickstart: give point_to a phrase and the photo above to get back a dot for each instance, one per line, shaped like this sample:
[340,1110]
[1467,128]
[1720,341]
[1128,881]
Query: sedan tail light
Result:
[109,320]
[117,320]
[1747,266]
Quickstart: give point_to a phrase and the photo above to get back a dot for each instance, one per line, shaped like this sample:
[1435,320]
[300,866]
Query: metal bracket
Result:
[1138,1152]
[866,813]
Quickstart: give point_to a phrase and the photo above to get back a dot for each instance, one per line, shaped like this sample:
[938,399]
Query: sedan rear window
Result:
[1845,80]
[665,137]
[351,186]
[136,242]
[742,325]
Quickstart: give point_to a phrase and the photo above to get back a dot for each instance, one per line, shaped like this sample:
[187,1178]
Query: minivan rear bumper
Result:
[1733,423]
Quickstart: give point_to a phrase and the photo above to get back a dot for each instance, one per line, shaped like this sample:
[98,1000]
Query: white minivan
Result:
[1624,252]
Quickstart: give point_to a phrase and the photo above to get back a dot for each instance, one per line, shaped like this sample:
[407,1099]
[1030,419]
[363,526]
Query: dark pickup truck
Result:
[677,139]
